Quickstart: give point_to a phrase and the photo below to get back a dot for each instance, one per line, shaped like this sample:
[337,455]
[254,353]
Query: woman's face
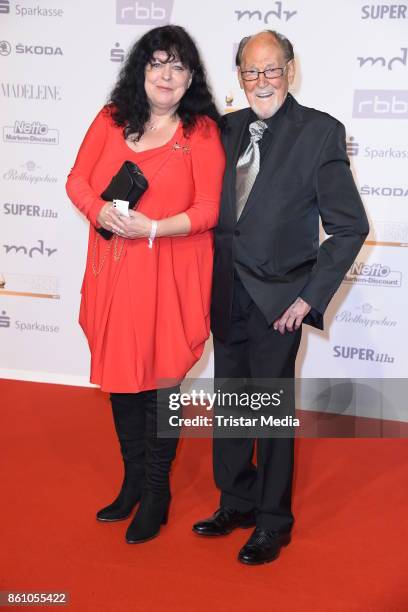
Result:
[165,82]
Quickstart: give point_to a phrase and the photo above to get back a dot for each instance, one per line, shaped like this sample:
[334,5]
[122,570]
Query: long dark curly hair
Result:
[129,104]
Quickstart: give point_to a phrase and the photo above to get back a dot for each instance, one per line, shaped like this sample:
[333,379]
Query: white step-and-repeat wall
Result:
[59,60]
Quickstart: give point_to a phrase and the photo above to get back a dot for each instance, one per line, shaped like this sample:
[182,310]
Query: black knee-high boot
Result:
[130,424]
[160,452]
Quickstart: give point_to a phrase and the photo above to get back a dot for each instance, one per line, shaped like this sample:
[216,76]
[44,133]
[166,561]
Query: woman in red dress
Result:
[146,293]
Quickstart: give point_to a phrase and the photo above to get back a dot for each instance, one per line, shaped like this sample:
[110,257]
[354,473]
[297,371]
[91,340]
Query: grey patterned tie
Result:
[248,165]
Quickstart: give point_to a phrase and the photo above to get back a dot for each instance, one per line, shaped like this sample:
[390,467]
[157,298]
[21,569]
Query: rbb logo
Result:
[155,12]
[380,104]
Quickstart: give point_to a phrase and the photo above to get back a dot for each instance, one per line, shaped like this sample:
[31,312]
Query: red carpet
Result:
[60,463]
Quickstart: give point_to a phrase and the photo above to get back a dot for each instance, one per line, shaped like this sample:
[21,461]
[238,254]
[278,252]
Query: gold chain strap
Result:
[116,255]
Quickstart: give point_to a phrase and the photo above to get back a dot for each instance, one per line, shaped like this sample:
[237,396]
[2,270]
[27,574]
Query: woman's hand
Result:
[107,216]
[136,225]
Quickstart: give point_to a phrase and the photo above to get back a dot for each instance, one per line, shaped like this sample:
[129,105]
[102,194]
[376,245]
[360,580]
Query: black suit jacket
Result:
[274,246]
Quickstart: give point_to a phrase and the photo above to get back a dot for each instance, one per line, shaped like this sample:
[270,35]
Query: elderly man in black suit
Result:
[286,166]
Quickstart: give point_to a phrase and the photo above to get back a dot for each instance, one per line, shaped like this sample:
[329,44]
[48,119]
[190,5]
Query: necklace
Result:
[151,126]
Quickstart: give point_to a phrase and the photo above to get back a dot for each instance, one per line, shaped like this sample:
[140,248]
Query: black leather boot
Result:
[160,452]
[130,423]
[150,516]
[129,494]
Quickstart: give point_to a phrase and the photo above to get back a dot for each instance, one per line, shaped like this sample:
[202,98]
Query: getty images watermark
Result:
[228,401]
[271,408]
[227,408]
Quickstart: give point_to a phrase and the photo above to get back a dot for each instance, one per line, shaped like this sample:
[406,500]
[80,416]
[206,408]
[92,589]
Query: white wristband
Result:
[152,233]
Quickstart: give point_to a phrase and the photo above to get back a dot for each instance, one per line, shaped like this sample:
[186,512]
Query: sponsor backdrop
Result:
[59,60]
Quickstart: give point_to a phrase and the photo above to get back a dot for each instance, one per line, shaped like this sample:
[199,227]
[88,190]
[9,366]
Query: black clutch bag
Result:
[128,184]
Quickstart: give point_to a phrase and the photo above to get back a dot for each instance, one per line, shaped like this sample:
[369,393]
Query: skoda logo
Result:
[5,47]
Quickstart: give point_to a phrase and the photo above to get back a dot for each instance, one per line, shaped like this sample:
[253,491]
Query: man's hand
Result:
[292,317]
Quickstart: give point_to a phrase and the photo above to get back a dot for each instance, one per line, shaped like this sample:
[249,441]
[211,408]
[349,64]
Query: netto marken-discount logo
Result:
[375,275]
[34,132]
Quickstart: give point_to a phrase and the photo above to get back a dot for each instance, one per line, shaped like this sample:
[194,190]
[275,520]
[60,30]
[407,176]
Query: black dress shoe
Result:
[224,521]
[263,546]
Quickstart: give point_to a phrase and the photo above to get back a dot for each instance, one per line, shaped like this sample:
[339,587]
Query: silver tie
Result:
[248,165]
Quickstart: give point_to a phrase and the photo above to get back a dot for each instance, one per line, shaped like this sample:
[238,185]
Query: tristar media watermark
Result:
[30,132]
[376,275]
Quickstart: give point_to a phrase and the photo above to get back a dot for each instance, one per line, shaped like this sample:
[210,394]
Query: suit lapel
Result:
[276,156]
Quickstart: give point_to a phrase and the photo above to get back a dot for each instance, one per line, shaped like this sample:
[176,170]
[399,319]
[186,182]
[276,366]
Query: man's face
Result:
[265,96]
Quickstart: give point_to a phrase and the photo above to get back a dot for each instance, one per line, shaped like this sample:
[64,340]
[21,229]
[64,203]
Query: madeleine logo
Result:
[144,12]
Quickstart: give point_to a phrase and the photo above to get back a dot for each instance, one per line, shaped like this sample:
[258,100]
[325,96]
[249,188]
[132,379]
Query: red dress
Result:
[145,312]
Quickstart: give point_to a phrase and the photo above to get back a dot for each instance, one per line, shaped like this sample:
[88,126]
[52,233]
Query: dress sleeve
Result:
[78,187]
[208,163]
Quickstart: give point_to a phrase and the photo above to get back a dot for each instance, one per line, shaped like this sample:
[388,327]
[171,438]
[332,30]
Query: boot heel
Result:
[166,516]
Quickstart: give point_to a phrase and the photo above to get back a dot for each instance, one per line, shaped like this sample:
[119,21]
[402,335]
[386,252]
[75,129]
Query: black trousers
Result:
[255,350]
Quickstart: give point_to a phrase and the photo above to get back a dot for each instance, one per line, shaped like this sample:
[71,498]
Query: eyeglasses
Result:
[269,73]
